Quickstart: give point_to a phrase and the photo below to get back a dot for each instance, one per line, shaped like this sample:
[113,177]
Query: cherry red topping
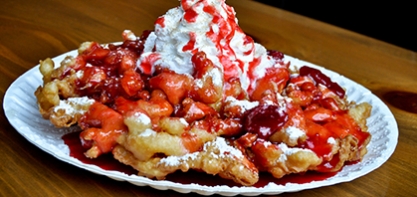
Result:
[274,81]
[190,15]
[160,21]
[317,141]
[329,166]
[111,72]
[276,54]
[95,53]
[190,45]
[101,127]
[145,34]
[265,120]
[321,78]
[174,85]
[132,82]
[201,64]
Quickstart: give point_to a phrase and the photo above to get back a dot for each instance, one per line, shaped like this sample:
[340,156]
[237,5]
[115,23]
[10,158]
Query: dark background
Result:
[394,22]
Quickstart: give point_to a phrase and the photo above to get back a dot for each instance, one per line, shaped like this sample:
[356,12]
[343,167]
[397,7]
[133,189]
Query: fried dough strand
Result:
[281,160]
[55,91]
[216,158]
[68,112]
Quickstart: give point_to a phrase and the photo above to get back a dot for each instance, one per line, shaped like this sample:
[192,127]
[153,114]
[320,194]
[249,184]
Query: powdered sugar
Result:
[142,118]
[220,145]
[177,160]
[294,133]
[265,131]
[147,133]
[225,149]
[243,104]
[74,105]
[283,100]
[289,151]
[184,122]
[331,140]
[79,74]
[216,77]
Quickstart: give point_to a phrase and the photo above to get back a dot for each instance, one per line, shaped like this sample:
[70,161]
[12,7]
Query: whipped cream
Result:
[209,26]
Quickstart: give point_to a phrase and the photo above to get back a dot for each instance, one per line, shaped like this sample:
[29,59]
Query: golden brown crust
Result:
[210,160]
[281,160]
[56,90]
[360,113]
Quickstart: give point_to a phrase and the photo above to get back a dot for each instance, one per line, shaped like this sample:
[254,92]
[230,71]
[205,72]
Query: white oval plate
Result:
[22,112]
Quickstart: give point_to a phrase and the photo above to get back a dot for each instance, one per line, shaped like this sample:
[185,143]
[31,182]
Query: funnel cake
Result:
[196,93]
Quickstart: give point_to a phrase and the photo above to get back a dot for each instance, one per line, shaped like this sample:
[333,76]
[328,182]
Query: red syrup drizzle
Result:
[321,78]
[107,162]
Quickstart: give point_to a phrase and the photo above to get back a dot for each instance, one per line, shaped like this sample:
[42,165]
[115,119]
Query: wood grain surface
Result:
[33,30]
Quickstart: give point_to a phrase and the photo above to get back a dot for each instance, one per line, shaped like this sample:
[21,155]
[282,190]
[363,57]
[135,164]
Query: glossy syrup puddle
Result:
[107,162]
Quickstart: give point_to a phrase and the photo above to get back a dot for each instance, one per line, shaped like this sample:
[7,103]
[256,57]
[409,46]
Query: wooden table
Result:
[33,30]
